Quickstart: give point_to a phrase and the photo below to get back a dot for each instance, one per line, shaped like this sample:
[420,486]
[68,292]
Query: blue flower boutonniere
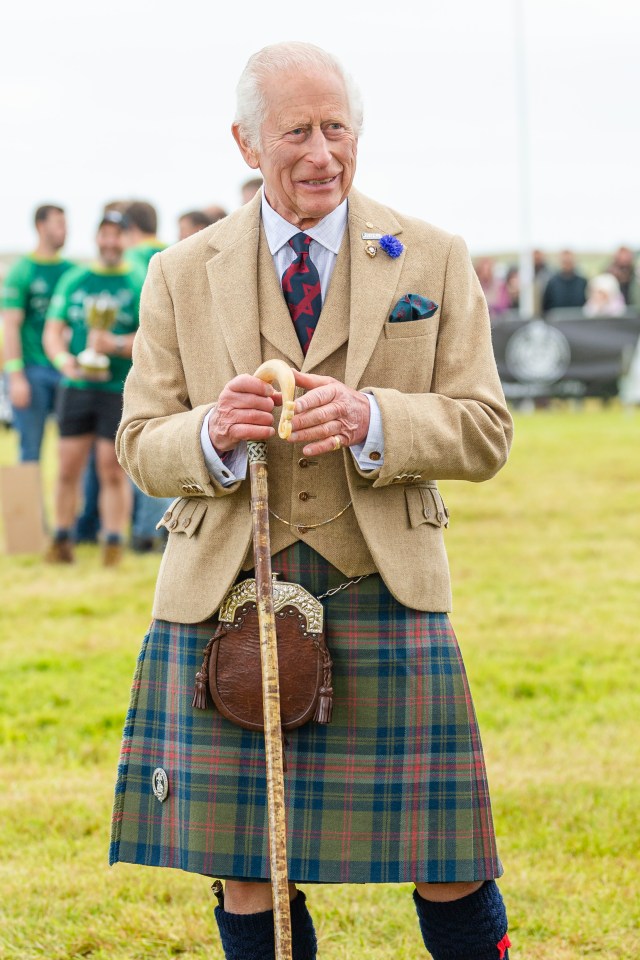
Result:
[391,245]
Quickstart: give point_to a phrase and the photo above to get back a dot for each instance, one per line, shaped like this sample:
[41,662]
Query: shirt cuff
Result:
[229,470]
[370,454]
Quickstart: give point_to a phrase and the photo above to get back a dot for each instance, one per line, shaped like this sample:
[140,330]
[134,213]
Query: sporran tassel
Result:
[324,708]
[201,687]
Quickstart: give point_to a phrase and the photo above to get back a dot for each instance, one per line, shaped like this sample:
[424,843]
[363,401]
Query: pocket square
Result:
[412,307]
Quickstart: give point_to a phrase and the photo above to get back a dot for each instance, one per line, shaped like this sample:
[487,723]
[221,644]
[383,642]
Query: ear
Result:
[249,154]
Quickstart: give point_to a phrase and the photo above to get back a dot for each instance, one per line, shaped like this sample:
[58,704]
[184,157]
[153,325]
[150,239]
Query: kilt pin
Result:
[394,789]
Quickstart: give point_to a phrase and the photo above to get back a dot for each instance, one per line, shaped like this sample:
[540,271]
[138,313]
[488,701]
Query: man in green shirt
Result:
[141,227]
[90,402]
[25,298]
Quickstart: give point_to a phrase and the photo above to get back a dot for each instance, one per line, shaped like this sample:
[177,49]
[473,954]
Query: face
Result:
[53,230]
[307,156]
[186,228]
[567,261]
[110,242]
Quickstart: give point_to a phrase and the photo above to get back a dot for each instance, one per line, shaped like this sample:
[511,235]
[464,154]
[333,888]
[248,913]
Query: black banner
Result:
[566,355]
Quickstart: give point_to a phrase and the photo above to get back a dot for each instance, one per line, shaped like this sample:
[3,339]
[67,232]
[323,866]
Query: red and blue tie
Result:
[301,288]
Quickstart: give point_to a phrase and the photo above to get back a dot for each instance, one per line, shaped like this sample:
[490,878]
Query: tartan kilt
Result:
[394,789]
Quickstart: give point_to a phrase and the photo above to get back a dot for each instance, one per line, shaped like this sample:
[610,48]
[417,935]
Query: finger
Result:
[308,381]
[230,401]
[323,446]
[318,397]
[315,416]
[330,428]
[246,431]
[245,383]
[237,417]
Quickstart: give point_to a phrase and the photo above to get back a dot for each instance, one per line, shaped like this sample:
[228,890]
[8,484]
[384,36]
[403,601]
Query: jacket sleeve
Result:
[158,441]
[461,429]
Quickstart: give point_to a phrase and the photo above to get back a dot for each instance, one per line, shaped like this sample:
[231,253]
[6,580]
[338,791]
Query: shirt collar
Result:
[328,232]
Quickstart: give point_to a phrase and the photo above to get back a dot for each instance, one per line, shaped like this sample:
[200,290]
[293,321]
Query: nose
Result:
[318,151]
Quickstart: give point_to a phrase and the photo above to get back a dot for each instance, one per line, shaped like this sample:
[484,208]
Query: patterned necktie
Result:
[301,288]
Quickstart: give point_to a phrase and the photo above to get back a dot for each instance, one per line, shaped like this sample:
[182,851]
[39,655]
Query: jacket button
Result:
[185,523]
[173,524]
[167,515]
[303,529]
[303,496]
[374,455]
[303,462]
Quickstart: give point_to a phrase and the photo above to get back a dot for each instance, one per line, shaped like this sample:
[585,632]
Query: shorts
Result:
[82,411]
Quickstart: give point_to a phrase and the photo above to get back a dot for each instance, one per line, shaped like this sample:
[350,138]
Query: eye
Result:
[297,131]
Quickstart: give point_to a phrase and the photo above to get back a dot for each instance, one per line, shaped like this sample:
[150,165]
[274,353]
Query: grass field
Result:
[546,583]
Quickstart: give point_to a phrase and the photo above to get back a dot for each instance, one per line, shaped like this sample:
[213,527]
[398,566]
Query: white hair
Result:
[605,283]
[251,104]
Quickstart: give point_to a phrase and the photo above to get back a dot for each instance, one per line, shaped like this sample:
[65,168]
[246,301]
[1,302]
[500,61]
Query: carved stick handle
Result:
[279,371]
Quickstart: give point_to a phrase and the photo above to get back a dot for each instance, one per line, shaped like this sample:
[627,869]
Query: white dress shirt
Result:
[326,238]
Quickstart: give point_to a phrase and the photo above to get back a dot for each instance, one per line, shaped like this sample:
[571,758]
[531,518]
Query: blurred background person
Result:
[493,287]
[567,287]
[604,298]
[33,380]
[192,222]
[249,189]
[141,228]
[623,269]
[512,286]
[89,407]
[215,213]
[541,274]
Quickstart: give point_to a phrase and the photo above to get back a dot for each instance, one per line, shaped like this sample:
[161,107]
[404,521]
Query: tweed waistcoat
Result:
[315,489]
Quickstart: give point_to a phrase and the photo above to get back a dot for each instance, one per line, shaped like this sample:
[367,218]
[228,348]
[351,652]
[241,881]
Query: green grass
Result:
[546,585]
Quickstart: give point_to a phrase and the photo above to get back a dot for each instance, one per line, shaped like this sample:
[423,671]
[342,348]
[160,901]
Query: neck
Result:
[45,251]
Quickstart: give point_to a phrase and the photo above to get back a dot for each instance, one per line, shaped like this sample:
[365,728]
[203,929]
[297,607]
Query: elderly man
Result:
[386,321]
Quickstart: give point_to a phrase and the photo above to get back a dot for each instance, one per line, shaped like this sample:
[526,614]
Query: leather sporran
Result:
[231,668]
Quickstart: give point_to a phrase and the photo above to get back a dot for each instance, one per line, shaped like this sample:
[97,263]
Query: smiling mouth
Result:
[320,183]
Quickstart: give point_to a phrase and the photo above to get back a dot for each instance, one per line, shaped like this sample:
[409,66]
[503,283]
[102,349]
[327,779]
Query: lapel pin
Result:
[371,249]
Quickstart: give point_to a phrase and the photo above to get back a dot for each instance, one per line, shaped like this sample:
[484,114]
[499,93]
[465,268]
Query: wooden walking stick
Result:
[279,371]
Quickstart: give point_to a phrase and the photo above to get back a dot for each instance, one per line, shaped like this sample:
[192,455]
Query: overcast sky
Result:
[135,99]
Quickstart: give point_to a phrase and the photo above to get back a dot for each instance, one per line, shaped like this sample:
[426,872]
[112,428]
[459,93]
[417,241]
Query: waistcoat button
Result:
[303,496]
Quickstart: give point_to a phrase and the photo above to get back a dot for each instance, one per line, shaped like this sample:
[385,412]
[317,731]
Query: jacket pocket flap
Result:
[425,505]
[184,516]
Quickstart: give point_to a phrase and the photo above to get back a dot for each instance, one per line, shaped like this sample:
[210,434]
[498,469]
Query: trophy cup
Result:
[101,313]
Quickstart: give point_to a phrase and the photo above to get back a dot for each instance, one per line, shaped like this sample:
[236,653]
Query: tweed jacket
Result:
[212,308]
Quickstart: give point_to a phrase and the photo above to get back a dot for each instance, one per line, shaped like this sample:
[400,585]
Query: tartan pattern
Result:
[392,790]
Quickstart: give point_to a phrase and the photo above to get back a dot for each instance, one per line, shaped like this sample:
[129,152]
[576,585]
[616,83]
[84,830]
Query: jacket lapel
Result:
[374,281]
[233,278]
[333,326]
[276,325]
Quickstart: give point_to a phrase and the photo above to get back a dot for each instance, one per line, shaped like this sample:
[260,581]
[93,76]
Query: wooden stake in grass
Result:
[270,371]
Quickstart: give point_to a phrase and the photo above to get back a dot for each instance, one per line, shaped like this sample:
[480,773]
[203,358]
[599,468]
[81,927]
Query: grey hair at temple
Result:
[292,55]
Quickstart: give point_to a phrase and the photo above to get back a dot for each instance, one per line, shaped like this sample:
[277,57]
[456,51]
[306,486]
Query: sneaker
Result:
[60,551]
[112,554]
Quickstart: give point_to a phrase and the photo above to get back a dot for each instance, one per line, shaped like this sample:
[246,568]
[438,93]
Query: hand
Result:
[19,390]
[102,341]
[71,370]
[244,411]
[329,409]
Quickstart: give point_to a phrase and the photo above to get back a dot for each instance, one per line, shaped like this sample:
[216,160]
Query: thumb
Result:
[309,381]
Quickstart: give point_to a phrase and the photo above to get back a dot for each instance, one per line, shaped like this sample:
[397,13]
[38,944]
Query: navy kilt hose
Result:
[393,789]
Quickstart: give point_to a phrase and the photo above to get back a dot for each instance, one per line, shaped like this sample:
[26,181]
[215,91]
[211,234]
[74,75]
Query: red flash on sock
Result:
[503,946]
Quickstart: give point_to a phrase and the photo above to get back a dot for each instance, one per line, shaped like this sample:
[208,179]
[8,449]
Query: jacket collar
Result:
[248,301]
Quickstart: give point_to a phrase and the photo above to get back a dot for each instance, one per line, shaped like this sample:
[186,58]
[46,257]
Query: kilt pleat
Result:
[394,789]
